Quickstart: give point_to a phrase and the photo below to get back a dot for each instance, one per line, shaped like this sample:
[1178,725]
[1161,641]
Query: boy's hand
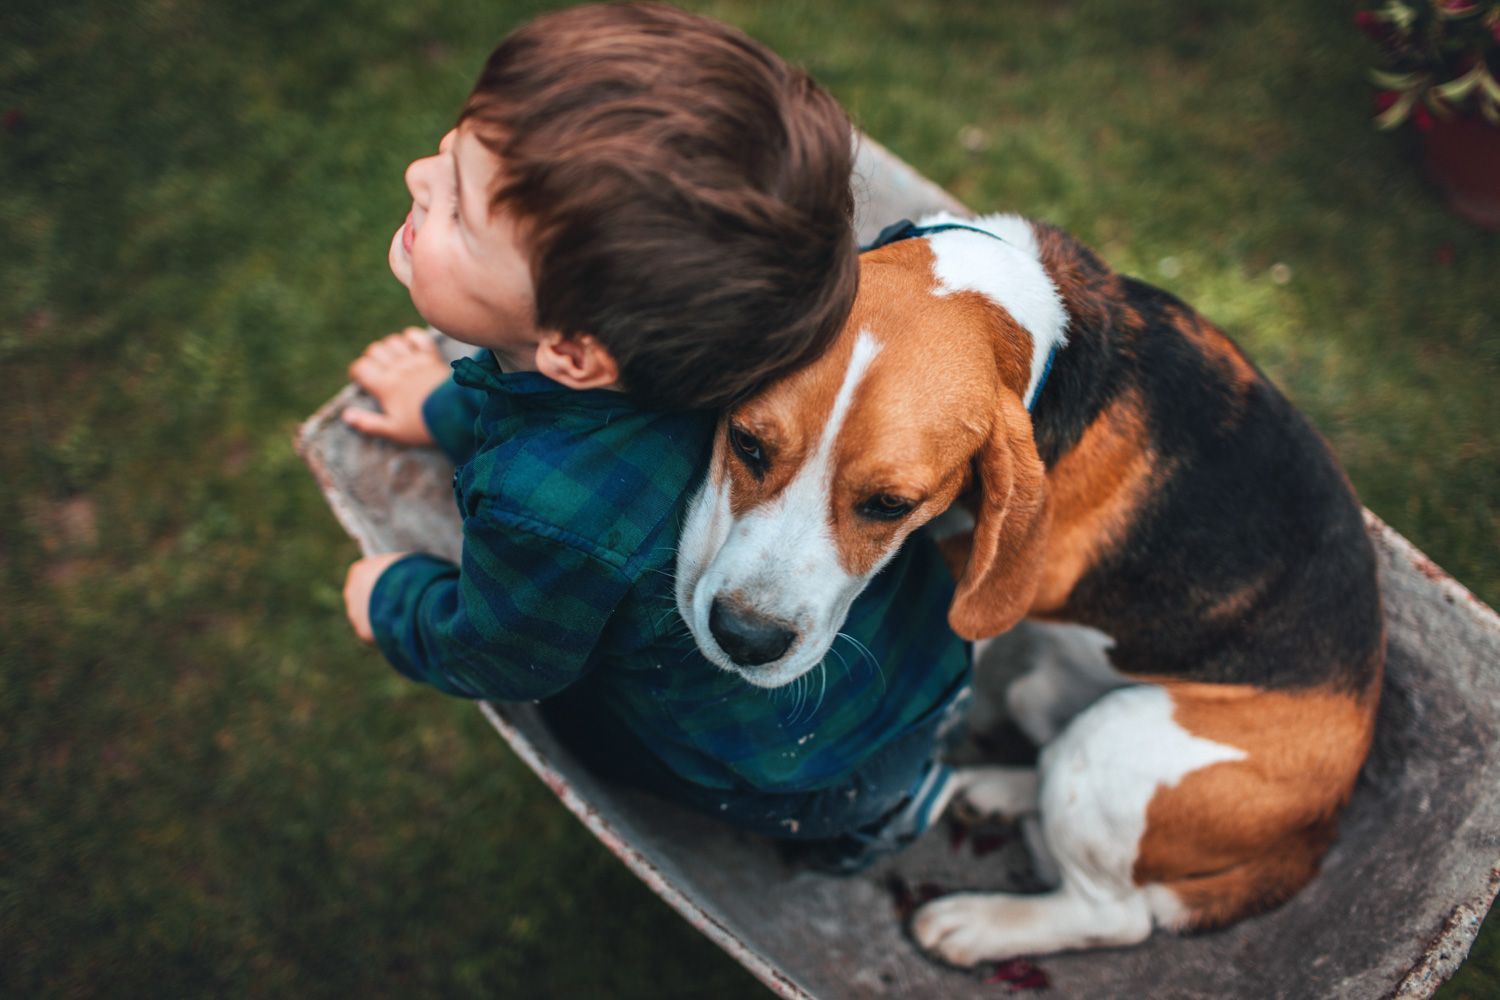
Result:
[400,371]
[358,585]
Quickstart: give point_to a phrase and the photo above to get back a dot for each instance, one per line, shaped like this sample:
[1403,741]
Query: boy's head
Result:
[681,193]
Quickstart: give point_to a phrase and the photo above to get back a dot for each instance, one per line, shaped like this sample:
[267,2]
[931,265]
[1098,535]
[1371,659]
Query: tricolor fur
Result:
[1162,495]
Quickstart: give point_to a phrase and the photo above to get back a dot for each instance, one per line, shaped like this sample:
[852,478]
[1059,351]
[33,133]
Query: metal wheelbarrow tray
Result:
[1393,913]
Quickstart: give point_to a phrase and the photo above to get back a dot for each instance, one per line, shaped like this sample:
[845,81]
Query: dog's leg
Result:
[1070,671]
[1043,864]
[969,928]
[995,793]
[1038,702]
[1096,781]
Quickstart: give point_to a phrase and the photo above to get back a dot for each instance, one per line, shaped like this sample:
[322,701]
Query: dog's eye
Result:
[885,507]
[747,446]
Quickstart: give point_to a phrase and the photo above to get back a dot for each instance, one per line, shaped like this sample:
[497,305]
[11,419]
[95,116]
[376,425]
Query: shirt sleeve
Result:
[450,412]
[517,621]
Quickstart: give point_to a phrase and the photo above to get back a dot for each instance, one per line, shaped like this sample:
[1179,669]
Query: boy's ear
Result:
[578,362]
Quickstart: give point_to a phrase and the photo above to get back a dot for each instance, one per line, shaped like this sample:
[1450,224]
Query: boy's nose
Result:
[749,638]
[419,172]
[418,179]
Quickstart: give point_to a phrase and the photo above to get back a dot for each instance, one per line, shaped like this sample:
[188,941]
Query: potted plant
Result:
[1440,70]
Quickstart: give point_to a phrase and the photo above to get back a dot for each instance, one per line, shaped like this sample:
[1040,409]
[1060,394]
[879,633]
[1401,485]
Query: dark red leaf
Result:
[1373,27]
[1018,974]
[1036,980]
[988,842]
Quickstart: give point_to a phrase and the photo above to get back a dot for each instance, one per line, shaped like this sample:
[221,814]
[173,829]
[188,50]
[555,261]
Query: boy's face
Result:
[465,266]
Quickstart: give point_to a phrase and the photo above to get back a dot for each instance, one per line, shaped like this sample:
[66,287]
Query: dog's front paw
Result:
[995,794]
[959,930]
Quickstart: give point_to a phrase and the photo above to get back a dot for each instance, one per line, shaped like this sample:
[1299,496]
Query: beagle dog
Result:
[1129,472]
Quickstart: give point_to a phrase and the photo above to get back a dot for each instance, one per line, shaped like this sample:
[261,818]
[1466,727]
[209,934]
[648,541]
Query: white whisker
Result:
[842,661]
[865,655]
[822,688]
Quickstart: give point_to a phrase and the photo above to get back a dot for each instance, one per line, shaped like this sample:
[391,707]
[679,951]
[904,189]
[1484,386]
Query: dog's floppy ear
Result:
[1000,578]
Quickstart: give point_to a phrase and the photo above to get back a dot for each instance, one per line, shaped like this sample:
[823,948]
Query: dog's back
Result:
[1241,580]
[1245,560]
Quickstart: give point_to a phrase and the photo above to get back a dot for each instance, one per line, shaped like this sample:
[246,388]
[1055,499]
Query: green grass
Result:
[206,785]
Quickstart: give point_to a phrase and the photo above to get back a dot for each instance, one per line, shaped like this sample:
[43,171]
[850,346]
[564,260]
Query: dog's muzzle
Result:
[747,637]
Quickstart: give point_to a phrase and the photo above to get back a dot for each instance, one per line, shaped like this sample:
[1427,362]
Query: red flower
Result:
[1422,117]
[1384,100]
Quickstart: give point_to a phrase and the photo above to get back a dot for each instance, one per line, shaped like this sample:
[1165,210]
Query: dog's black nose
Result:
[747,637]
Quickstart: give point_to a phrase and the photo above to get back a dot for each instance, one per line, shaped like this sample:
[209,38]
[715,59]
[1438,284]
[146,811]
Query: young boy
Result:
[642,215]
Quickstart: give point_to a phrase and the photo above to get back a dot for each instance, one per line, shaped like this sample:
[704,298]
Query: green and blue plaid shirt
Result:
[571,503]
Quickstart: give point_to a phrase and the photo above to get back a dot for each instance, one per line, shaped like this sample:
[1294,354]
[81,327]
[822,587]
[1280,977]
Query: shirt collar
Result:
[483,372]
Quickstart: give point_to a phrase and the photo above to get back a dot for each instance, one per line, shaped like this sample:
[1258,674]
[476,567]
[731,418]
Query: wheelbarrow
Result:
[1393,913]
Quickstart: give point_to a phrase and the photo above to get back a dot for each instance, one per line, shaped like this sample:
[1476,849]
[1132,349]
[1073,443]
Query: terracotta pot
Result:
[1462,156]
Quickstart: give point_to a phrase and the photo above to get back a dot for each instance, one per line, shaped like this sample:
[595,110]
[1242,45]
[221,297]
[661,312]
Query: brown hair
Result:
[685,194]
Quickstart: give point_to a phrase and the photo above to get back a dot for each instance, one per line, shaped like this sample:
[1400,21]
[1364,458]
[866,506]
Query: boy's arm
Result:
[450,412]
[516,622]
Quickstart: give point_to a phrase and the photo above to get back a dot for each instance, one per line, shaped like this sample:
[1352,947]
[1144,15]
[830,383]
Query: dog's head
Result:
[815,482]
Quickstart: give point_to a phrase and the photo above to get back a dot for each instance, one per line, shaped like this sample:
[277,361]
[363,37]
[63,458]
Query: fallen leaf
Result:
[1018,974]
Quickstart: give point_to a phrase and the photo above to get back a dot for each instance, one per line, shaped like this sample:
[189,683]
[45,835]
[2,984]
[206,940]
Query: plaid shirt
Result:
[571,503]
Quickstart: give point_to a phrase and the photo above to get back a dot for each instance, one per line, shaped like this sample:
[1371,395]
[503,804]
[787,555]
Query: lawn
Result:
[206,785]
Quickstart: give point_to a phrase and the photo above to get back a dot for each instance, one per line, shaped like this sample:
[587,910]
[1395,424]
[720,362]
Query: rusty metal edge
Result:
[1449,947]
[706,923]
[1485,616]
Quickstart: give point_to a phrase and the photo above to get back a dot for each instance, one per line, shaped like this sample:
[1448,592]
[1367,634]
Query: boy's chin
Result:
[399,260]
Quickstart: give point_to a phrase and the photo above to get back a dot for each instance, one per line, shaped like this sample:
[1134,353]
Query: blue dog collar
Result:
[909,230]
